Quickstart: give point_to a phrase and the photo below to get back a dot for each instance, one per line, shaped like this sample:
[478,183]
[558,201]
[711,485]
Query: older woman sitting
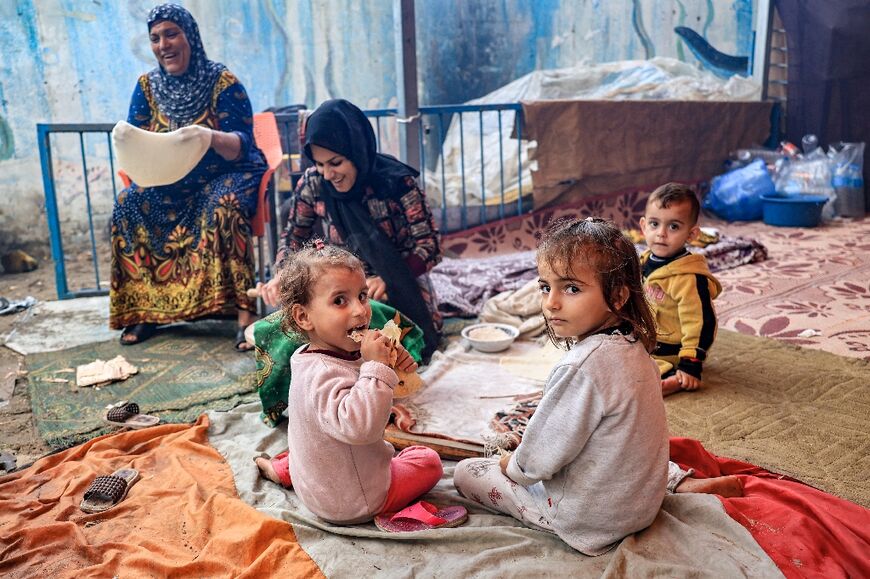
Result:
[183,251]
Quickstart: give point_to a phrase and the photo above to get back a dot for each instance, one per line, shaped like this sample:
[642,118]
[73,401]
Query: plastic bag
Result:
[736,196]
[811,176]
[808,176]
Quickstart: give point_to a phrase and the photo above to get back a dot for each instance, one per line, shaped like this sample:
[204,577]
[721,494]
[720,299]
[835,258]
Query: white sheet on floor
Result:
[692,535]
[465,388]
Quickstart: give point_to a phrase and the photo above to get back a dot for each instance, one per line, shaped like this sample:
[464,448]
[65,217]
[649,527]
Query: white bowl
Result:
[502,336]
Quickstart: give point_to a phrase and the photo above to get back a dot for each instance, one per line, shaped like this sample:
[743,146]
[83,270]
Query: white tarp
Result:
[655,79]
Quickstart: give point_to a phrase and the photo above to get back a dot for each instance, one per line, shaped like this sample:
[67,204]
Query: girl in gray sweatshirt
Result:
[592,466]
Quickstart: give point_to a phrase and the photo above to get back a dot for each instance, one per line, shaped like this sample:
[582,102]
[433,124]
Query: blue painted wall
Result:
[78,60]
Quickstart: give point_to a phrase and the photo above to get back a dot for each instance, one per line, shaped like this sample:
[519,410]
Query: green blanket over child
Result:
[273,349]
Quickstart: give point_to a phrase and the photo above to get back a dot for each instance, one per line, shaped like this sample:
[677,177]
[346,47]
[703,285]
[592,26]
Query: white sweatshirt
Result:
[599,443]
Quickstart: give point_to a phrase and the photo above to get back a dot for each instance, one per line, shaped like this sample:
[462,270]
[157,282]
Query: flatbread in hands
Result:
[409,382]
[155,159]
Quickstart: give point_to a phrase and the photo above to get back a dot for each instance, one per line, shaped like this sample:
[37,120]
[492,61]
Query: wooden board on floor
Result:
[446,448]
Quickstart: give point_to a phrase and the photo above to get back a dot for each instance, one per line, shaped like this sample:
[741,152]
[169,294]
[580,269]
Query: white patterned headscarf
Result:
[183,98]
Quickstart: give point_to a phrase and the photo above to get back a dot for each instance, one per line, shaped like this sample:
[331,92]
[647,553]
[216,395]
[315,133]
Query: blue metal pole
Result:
[501,167]
[518,119]
[444,224]
[482,176]
[51,212]
[90,210]
[112,167]
[463,210]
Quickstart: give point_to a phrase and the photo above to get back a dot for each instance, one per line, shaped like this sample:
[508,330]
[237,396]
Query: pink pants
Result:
[413,472]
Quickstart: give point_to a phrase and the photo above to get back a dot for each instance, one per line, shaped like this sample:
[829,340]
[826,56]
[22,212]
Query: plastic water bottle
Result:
[809,143]
[738,159]
[849,185]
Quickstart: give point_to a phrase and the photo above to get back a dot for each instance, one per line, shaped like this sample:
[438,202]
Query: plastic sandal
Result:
[127,414]
[242,344]
[421,516]
[107,491]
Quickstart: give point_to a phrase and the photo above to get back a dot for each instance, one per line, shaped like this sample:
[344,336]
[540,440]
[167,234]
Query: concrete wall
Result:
[78,60]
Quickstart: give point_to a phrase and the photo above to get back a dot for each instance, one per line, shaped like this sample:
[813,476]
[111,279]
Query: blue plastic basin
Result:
[793,210]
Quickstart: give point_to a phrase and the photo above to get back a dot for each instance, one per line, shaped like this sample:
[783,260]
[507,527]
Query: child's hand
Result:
[687,381]
[376,347]
[503,462]
[404,361]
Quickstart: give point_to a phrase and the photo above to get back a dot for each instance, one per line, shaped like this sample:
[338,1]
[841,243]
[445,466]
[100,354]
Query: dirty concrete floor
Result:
[18,435]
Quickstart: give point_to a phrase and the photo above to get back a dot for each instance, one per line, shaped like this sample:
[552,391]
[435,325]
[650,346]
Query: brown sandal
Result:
[108,490]
[127,414]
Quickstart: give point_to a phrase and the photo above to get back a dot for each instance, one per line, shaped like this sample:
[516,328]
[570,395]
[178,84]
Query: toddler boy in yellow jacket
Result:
[679,287]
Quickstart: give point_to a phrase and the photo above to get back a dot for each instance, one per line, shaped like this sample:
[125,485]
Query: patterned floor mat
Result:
[812,291]
[184,370]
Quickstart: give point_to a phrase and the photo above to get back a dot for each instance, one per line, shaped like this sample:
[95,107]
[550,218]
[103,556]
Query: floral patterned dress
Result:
[184,251]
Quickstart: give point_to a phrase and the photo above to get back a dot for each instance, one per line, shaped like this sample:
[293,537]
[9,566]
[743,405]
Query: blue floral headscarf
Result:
[182,99]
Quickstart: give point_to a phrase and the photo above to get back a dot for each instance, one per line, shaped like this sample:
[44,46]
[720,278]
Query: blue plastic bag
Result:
[736,196]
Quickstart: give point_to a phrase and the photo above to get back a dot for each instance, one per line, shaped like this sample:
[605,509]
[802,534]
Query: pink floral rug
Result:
[521,232]
[812,291]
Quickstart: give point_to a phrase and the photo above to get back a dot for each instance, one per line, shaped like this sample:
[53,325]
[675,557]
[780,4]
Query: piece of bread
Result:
[154,159]
[409,382]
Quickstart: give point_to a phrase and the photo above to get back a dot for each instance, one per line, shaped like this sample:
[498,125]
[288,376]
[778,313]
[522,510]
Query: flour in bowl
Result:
[487,334]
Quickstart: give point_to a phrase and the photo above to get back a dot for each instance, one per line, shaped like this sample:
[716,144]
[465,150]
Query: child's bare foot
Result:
[724,486]
[264,463]
[670,385]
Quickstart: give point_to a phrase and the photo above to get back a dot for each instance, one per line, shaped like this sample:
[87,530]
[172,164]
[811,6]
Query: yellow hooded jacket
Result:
[681,294]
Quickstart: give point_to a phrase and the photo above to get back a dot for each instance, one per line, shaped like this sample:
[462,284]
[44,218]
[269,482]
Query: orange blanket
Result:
[182,518]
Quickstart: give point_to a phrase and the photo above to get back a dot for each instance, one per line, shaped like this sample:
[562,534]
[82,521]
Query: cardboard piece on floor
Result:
[101,372]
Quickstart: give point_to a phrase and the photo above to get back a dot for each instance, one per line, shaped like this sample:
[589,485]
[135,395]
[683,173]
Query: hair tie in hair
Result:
[318,244]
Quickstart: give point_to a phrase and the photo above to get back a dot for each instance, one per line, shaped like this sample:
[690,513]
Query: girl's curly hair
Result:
[600,245]
[299,271]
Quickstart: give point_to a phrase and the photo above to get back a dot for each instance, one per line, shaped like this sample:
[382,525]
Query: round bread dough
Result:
[155,159]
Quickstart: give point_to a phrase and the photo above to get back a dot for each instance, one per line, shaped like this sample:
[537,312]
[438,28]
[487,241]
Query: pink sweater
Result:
[338,409]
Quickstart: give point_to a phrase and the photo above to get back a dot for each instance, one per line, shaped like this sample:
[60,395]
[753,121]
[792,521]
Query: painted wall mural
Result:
[7,140]
[77,61]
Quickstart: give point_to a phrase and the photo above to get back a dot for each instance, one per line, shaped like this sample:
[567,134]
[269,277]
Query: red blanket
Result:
[807,532]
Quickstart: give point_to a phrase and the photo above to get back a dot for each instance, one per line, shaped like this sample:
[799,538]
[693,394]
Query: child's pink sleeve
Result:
[357,412]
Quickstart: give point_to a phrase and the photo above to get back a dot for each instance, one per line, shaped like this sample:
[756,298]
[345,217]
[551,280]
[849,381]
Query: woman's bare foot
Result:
[724,486]
[670,385]
[264,463]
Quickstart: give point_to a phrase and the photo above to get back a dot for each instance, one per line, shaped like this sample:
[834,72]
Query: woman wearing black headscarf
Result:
[183,251]
[370,203]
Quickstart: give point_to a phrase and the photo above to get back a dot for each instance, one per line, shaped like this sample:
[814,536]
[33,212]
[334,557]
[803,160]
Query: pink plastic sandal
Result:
[421,516]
